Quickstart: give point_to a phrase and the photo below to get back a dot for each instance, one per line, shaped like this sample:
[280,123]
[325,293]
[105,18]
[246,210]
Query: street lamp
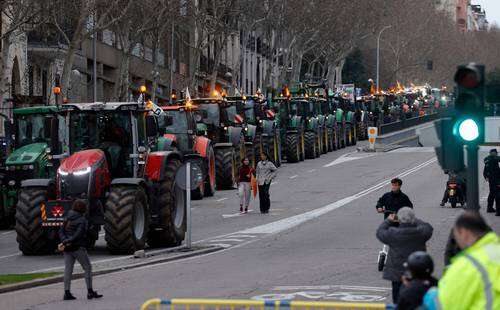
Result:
[378,55]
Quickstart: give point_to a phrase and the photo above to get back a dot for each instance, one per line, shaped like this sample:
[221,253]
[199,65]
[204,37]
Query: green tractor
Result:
[221,123]
[313,142]
[261,131]
[35,138]
[116,161]
[292,126]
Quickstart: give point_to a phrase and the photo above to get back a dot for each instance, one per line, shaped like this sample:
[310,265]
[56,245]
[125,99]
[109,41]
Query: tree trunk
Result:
[75,43]
[4,78]
[156,73]
[217,60]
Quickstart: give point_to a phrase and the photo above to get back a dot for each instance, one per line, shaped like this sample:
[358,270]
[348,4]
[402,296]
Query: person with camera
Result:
[417,280]
[404,234]
[73,235]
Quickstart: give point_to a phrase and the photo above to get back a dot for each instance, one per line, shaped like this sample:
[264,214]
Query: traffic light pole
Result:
[472,177]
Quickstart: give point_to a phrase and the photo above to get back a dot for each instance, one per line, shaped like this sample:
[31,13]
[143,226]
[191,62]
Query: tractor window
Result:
[250,111]
[30,129]
[179,122]
[212,113]
[231,113]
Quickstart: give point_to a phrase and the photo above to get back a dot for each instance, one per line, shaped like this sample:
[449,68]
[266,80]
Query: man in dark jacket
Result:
[491,173]
[73,235]
[409,236]
[417,280]
[393,200]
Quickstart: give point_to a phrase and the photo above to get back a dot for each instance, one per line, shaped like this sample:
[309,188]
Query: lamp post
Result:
[378,55]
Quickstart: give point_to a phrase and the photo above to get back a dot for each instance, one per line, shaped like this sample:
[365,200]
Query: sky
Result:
[492,8]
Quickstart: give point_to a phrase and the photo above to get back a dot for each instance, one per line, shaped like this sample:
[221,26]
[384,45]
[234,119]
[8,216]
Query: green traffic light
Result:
[468,130]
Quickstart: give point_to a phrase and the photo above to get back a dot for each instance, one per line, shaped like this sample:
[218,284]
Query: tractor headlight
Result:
[31,167]
[261,121]
[12,183]
[82,172]
[11,168]
[246,128]
[62,172]
[225,128]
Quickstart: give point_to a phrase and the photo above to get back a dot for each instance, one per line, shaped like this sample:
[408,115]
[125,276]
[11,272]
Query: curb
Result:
[56,279]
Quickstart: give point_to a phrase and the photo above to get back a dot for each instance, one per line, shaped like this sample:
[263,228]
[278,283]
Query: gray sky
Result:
[492,8]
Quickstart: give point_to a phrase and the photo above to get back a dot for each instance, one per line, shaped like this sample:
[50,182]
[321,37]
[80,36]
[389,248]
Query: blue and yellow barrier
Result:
[237,304]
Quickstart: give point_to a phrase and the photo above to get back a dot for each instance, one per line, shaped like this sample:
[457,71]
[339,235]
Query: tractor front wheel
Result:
[292,148]
[225,168]
[32,238]
[126,219]
[310,144]
[210,173]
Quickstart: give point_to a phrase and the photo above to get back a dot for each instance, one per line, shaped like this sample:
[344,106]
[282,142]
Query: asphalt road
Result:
[317,243]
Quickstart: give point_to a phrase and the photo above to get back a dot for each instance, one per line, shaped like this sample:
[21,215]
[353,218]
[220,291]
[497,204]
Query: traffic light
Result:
[469,104]
[451,152]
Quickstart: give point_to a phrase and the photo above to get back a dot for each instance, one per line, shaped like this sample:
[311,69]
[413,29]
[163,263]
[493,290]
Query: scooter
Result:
[382,255]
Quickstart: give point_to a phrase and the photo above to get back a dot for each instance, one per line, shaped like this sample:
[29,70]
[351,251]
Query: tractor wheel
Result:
[334,139]
[172,211]
[225,168]
[348,141]
[302,144]
[292,148]
[126,219]
[329,141]
[354,136]
[326,135]
[310,144]
[210,173]
[318,145]
[31,236]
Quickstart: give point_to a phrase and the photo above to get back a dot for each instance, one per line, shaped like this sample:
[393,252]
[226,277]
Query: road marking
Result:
[329,287]
[6,233]
[426,149]
[345,158]
[228,240]
[11,255]
[290,222]
[274,183]
[312,170]
[293,176]
[218,200]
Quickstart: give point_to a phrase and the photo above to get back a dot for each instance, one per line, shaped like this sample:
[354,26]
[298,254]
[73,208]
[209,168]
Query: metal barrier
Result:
[240,304]
[410,122]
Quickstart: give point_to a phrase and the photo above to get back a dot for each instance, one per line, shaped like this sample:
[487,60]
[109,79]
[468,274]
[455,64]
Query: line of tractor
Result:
[122,159]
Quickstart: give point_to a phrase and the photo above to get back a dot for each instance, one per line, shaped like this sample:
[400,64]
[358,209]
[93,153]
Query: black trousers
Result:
[492,196]
[264,200]
[396,287]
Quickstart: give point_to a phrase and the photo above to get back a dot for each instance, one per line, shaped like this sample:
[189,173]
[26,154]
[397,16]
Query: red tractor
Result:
[119,166]
[178,123]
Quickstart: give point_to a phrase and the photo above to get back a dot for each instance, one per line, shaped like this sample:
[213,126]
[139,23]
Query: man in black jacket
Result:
[393,200]
[73,235]
[491,173]
[404,235]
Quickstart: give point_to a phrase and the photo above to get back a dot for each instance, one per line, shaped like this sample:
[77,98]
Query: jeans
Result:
[264,200]
[245,192]
[82,257]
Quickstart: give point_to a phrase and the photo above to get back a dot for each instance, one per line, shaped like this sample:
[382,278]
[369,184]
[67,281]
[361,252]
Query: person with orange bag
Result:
[244,187]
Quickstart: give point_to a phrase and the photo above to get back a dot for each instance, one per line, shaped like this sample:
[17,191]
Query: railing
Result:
[241,304]
[410,122]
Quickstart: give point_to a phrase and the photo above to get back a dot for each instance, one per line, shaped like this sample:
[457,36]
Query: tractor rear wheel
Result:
[319,145]
[302,146]
[31,236]
[330,140]
[292,148]
[172,211]
[210,173]
[326,135]
[310,144]
[126,219]
[225,167]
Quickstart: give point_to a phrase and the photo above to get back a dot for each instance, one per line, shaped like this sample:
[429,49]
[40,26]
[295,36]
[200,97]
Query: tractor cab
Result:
[179,125]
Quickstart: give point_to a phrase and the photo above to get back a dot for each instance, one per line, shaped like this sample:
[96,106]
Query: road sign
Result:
[372,136]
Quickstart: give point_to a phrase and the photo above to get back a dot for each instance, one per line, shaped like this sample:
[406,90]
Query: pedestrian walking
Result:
[393,200]
[244,187]
[266,172]
[417,280]
[73,235]
[404,234]
[491,173]
[471,282]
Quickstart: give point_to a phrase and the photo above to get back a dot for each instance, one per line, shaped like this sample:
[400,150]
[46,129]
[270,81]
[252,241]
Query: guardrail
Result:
[237,304]
[410,122]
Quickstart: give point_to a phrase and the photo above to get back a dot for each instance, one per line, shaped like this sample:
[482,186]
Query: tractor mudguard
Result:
[339,115]
[37,183]
[350,117]
[128,181]
[156,164]
[234,134]
[166,143]
[250,132]
[192,156]
[222,145]
[201,146]
[268,128]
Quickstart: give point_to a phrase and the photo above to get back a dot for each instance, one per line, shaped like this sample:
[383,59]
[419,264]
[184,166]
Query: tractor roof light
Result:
[468,130]
[143,89]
